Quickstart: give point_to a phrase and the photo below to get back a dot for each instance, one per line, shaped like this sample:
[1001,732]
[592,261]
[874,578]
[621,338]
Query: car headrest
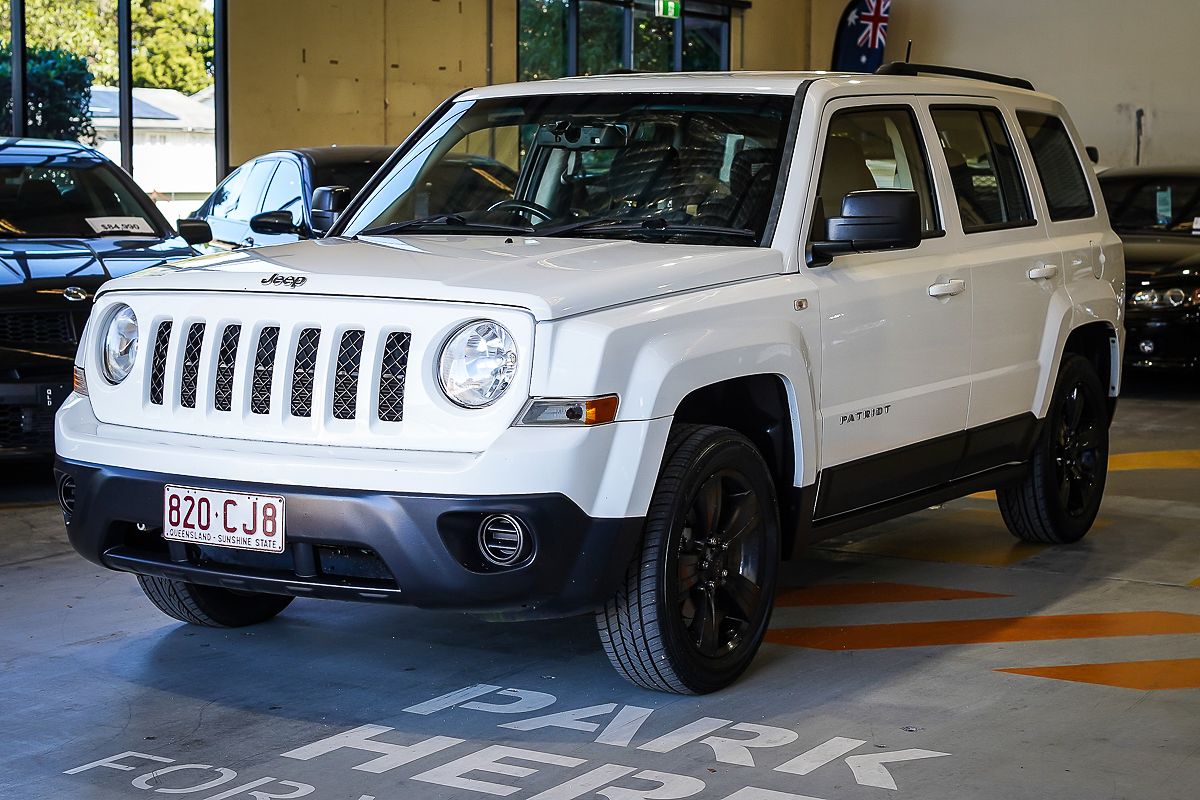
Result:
[843,171]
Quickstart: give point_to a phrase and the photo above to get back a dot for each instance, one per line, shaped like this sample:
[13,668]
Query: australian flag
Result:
[861,36]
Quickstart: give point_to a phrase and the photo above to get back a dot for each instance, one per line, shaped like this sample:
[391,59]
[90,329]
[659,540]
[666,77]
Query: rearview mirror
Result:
[327,203]
[194,231]
[274,223]
[877,219]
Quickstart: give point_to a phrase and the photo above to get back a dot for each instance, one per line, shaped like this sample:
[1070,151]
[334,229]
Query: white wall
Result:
[1105,59]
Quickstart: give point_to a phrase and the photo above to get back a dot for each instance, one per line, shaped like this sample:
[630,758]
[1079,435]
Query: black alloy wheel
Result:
[696,600]
[1059,497]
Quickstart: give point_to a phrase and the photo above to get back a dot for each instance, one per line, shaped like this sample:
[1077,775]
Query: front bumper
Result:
[361,545]
[1167,340]
[27,416]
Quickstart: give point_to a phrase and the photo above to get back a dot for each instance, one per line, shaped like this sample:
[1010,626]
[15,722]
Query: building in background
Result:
[173,144]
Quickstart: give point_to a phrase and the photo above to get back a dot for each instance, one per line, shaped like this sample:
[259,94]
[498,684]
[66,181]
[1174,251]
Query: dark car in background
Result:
[1156,212]
[69,220]
[283,184]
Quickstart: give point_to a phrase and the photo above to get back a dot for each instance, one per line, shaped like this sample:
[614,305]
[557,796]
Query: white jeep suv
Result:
[712,319]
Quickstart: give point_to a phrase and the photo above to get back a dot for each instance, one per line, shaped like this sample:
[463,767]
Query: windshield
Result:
[1156,205]
[67,197]
[686,168]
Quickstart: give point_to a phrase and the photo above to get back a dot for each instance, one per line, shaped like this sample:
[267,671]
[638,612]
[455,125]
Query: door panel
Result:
[895,360]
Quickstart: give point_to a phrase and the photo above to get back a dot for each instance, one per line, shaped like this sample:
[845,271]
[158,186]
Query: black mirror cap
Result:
[877,219]
[333,199]
[1093,153]
[194,231]
[273,223]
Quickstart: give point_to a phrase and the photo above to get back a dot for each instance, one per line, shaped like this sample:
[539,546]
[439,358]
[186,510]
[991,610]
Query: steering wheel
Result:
[528,206]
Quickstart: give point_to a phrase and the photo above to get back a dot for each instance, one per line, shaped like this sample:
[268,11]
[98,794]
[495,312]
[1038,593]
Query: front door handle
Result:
[1043,273]
[948,289]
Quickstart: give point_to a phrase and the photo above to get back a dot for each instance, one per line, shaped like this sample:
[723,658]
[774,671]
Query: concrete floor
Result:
[931,657]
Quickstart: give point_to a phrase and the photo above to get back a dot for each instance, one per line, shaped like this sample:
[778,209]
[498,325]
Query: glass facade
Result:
[591,37]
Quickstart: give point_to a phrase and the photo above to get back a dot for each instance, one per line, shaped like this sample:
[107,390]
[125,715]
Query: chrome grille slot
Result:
[226,361]
[304,371]
[391,377]
[264,370]
[345,378]
[191,365]
[158,365]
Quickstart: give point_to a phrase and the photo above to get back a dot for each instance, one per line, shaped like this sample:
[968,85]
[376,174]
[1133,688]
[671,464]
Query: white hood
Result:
[550,277]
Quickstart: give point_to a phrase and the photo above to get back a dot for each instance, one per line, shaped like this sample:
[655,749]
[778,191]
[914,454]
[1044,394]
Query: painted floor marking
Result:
[1195,583]
[987,631]
[1178,673]
[838,594]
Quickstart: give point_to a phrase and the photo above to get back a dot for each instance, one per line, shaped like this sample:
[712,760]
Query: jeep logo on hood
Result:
[290,281]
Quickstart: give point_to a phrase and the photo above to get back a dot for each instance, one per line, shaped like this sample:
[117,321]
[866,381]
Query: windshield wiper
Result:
[453,221]
[647,227]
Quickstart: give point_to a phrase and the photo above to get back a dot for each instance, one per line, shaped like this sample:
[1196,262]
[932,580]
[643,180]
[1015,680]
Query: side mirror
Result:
[877,219]
[194,231]
[327,203]
[1093,153]
[274,223]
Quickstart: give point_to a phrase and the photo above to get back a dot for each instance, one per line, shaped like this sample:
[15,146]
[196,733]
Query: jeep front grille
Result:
[211,369]
[36,327]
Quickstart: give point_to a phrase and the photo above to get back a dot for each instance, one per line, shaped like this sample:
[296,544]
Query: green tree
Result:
[58,94]
[172,39]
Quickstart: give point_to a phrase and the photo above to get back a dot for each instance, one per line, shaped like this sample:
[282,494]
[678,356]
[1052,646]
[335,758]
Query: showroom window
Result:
[557,38]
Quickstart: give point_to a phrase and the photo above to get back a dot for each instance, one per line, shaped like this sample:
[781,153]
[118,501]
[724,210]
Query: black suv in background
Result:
[69,220]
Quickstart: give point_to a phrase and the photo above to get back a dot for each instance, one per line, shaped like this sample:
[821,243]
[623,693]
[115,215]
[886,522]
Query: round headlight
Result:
[477,363]
[120,344]
[1175,297]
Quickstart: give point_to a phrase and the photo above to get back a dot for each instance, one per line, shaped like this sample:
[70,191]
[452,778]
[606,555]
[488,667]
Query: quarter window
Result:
[875,149]
[1058,166]
[983,169]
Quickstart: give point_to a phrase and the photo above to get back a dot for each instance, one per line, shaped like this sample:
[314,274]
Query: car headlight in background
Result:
[120,345]
[477,363]
[1168,298]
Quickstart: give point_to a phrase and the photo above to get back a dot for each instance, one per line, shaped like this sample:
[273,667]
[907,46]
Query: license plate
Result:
[223,519]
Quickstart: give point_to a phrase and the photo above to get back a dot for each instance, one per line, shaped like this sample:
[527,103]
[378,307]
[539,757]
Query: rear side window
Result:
[983,168]
[1058,166]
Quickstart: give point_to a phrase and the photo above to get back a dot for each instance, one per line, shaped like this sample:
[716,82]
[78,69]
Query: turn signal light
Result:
[570,411]
[79,381]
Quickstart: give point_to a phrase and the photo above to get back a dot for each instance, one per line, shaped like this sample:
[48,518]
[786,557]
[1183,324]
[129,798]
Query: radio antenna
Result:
[908,53]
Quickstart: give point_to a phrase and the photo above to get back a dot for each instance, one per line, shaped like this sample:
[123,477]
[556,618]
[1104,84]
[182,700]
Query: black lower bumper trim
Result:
[358,545]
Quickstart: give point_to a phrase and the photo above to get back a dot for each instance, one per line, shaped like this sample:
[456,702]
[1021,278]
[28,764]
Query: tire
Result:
[210,606]
[1059,498]
[654,627]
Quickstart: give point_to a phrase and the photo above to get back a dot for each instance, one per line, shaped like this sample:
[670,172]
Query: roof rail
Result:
[907,68]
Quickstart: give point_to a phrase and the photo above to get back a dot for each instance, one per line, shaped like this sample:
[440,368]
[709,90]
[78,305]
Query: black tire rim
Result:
[720,558]
[1078,451]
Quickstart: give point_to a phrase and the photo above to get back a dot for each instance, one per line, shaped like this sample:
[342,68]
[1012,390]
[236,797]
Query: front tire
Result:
[1059,499]
[211,606]
[695,603]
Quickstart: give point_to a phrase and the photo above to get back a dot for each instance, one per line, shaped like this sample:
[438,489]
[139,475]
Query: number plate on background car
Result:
[223,519]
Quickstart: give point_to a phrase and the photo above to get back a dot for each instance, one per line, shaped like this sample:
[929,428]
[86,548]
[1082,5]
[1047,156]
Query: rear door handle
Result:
[948,289]
[1044,272]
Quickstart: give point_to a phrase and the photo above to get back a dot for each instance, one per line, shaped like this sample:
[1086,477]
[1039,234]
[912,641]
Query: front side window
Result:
[250,200]
[687,168]
[66,197]
[1058,166]
[874,149]
[983,168]
[286,192]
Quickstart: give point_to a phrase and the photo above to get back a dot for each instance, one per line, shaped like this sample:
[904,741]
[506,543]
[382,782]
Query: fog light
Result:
[66,495]
[503,540]
[1146,346]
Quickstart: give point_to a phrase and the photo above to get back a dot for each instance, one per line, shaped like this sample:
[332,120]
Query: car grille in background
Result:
[345,379]
[264,370]
[226,361]
[304,371]
[26,427]
[391,377]
[36,327]
[158,365]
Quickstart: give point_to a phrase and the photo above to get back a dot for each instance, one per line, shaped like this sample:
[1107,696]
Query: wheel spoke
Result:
[745,594]
[1073,413]
[746,517]
[689,571]
[710,625]
[708,505]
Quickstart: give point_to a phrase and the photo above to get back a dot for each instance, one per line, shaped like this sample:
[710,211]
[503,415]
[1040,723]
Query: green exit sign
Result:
[668,8]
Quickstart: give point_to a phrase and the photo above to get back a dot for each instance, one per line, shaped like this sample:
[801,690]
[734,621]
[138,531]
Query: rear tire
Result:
[695,603]
[211,606]
[1059,499]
